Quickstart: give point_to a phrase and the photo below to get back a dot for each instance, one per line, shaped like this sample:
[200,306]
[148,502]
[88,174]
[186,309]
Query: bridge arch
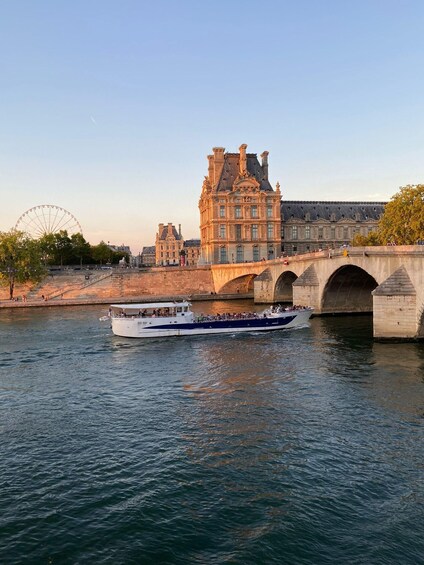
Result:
[242,285]
[348,289]
[283,291]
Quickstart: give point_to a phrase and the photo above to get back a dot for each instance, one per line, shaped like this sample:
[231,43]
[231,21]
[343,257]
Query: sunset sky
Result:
[109,108]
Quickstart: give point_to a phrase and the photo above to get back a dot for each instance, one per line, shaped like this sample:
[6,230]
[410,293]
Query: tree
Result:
[372,238]
[48,246]
[21,259]
[81,249]
[60,249]
[63,255]
[101,253]
[118,255]
[403,220]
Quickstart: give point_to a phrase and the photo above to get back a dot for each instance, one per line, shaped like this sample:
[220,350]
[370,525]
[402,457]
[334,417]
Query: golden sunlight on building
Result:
[240,218]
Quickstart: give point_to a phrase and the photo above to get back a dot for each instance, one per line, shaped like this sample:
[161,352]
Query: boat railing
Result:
[229,316]
[160,313]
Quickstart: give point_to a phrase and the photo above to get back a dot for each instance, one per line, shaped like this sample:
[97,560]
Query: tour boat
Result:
[166,319]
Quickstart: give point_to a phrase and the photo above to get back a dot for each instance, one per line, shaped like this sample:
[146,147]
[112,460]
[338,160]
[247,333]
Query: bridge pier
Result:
[395,313]
[306,290]
[263,288]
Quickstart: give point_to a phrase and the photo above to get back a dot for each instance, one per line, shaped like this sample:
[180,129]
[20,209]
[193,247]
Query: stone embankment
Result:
[65,288]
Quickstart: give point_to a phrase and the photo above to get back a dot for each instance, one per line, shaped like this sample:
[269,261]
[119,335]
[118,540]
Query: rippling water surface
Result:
[301,446]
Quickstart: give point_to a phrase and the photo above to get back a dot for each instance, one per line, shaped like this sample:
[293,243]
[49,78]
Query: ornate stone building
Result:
[148,256]
[310,226]
[169,243]
[191,252]
[240,217]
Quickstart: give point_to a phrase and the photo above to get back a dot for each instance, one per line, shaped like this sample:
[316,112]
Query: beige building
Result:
[240,217]
[311,226]
[148,256]
[191,252]
[169,243]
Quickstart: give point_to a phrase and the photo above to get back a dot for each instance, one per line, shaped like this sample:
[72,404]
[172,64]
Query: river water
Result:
[302,446]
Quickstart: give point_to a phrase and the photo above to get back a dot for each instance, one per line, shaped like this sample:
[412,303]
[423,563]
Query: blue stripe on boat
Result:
[227,324]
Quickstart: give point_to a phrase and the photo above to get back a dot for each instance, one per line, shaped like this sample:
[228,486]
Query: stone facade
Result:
[243,219]
[169,244]
[311,226]
[191,250]
[395,307]
[148,256]
[240,217]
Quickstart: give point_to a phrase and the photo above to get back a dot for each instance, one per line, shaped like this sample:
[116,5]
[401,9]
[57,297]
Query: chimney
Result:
[160,229]
[218,157]
[243,159]
[179,230]
[210,169]
[264,157]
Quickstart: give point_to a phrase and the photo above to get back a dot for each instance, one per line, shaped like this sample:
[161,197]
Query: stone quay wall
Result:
[159,281]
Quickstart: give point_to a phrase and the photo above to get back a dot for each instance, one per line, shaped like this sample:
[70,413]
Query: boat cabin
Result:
[151,310]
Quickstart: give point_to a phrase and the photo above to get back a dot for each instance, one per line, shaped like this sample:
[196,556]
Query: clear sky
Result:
[110,107]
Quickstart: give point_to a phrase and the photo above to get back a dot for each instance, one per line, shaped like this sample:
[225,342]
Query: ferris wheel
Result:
[47,219]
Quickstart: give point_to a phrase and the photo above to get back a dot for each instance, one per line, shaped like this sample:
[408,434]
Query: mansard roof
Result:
[192,243]
[230,171]
[165,232]
[333,211]
[149,249]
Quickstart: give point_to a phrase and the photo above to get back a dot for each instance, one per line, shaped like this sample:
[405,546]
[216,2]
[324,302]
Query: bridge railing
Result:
[381,250]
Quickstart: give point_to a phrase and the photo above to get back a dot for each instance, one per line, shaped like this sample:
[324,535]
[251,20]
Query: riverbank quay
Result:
[56,302]
[123,283]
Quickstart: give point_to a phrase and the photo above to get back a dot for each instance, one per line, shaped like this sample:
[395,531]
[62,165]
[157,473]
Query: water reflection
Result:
[398,377]
[239,408]
[392,374]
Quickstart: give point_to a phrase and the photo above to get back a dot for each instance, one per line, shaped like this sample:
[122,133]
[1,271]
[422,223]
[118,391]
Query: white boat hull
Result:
[137,327]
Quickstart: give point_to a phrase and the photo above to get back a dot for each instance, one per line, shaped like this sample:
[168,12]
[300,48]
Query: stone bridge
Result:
[388,281]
